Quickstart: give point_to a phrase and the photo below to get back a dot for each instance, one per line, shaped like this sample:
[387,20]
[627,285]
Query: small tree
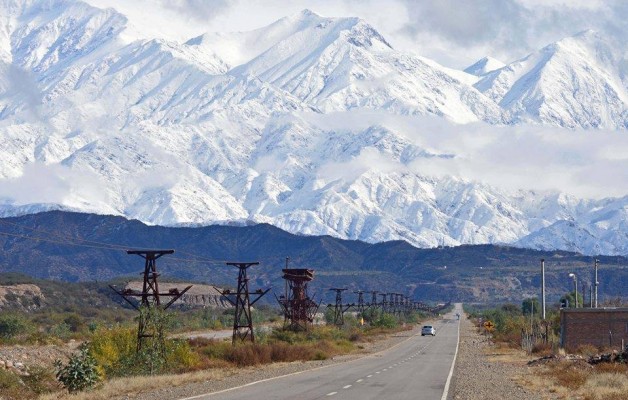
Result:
[530,305]
[571,299]
[80,373]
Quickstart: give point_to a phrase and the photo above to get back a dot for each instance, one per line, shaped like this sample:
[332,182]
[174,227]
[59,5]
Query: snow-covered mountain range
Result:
[294,124]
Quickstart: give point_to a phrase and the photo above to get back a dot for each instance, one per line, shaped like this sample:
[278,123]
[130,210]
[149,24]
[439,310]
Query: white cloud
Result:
[585,163]
[369,159]
[55,184]
[453,32]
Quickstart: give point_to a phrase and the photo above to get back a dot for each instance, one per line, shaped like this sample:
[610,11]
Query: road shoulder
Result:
[481,374]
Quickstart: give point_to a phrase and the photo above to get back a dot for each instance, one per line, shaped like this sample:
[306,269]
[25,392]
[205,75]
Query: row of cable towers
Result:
[396,304]
[299,309]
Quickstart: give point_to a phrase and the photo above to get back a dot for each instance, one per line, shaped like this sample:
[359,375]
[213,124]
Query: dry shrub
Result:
[200,342]
[569,376]
[587,350]
[256,354]
[606,386]
[572,378]
[209,363]
[249,354]
[12,387]
[282,352]
[542,349]
[614,368]
[511,337]
[606,396]
[356,336]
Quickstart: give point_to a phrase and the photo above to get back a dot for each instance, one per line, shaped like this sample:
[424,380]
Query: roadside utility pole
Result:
[596,281]
[542,288]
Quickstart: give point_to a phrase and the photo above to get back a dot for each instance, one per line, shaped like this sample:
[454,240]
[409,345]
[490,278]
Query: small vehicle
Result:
[428,330]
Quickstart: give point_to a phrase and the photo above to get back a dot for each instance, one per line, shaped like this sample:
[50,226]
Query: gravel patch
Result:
[477,377]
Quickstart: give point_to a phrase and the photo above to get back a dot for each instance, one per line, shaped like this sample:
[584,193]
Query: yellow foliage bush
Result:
[179,354]
[111,345]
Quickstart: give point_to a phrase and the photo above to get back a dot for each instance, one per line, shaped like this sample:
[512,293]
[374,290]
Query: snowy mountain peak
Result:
[305,29]
[314,124]
[483,66]
[574,82]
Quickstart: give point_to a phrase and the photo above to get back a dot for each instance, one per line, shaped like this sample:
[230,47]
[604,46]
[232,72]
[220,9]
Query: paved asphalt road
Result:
[417,368]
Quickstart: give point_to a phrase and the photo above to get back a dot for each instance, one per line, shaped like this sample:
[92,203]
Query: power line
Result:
[105,246]
[71,241]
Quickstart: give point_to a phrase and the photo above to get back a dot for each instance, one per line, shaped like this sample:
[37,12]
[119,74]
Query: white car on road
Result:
[428,330]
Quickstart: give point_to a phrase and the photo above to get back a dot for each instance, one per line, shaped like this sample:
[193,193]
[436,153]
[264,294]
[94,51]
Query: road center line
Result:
[332,393]
[359,380]
[347,387]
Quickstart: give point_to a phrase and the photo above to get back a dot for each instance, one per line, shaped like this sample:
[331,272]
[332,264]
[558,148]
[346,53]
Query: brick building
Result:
[601,327]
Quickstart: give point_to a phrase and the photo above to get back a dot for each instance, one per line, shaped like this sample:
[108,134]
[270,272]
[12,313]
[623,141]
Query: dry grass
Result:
[134,385]
[542,349]
[565,379]
[569,380]
[502,352]
[586,350]
[606,386]
[569,375]
[248,354]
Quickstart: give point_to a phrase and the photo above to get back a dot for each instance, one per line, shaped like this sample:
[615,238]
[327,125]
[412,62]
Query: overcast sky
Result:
[453,32]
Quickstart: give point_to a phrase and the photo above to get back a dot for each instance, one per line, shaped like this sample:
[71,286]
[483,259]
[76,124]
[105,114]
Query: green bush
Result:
[80,373]
[62,331]
[13,325]
[285,335]
[385,321]
[74,322]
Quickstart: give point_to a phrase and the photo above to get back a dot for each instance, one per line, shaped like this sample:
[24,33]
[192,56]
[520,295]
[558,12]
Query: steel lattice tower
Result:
[149,297]
[243,321]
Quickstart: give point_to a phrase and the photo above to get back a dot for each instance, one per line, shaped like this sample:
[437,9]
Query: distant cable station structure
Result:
[373,302]
[384,303]
[298,308]
[361,306]
[149,297]
[339,308]
[241,300]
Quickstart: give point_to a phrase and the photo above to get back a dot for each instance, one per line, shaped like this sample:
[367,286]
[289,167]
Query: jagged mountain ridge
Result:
[575,82]
[188,133]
